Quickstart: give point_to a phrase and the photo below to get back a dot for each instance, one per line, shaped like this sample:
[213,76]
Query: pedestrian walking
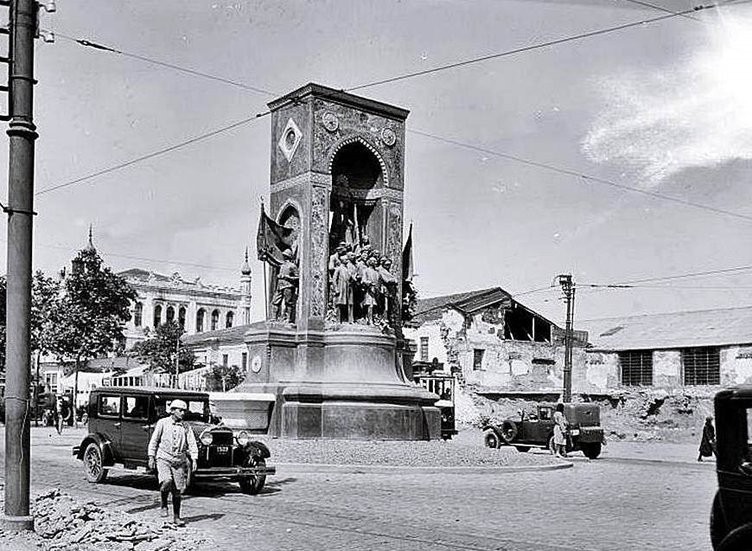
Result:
[172,451]
[707,444]
[560,432]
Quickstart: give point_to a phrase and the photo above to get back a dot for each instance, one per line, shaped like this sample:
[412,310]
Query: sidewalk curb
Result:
[324,468]
[643,461]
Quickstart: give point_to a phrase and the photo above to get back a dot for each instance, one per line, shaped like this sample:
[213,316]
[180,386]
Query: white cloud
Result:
[698,114]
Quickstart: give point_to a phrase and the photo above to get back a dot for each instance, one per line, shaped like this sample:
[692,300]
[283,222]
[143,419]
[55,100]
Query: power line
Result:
[581,175]
[97,46]
[660,8]
[153,154]
[532,47]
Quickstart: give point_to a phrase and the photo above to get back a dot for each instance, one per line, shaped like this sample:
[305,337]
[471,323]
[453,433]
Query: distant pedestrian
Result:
[171,447]
[707,444]
[560,432]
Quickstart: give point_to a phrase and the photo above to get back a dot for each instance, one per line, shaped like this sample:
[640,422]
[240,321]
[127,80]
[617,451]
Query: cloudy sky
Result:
[647,132]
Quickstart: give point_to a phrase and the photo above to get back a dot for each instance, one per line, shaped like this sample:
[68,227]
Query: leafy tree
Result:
[159,350]
[45,295]
[221,378]
[88,319]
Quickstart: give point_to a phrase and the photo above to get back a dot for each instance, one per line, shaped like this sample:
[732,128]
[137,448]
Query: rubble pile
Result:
[61,522]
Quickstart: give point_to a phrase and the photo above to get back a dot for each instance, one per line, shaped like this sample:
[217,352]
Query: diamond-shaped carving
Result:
[290,139]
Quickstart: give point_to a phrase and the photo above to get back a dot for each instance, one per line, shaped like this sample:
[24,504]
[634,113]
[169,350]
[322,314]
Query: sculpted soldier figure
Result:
[370,277]
[388,285]
[287,283]
[341,291]
[353,285]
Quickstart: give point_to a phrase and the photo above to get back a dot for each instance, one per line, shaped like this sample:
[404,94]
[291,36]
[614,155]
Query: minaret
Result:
[245,289]
[90,244]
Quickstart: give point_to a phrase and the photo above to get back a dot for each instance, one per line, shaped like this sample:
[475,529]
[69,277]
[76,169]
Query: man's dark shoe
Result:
[178,521]
[163,512]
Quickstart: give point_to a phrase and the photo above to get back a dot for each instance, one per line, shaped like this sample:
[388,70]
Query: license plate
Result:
[575,432]
[223,449]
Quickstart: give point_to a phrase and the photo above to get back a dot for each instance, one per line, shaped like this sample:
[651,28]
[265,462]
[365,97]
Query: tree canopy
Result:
[159,350]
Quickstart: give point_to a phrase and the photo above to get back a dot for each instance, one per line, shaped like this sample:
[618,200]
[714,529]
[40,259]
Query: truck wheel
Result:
[737,540]
[523,449]
[591,450]
[255,483]
[94,464]
[508,431]
[718,528]
[491,439]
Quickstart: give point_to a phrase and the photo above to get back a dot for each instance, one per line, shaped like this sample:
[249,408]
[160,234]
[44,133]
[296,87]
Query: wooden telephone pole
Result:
[567,285]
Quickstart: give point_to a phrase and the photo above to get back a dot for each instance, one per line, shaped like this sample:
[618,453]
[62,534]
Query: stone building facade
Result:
[196,306]
[695,352]
[493,342]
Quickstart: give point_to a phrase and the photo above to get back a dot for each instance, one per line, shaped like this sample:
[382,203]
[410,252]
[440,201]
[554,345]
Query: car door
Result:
[108,420]
[545,424]
[136,429]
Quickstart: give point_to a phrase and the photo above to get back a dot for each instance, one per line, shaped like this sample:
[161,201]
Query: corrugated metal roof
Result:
[726,326]
[232,335]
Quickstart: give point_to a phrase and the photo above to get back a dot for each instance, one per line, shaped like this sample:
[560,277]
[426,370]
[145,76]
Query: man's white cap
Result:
[178,404]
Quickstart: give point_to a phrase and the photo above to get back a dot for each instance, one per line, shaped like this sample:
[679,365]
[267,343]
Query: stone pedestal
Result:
[340,382]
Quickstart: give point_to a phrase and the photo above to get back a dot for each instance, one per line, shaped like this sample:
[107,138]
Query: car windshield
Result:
[198,408]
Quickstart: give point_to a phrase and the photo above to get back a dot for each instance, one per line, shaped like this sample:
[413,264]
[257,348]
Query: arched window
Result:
[170,314]
[138,314]
[229,319]
[157,315]
[200,320]
[215,320]
[181,317]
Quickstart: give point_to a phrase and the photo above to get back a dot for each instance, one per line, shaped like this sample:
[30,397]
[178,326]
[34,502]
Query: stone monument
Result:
[331,350]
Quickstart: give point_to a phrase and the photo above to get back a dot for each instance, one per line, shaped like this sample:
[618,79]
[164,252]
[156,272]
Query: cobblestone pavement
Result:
[611,504]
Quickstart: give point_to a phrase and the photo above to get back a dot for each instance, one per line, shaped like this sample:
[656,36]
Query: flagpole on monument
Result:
[266,285]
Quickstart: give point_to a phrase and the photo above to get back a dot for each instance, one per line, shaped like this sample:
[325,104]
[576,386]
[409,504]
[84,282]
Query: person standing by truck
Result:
[171,447]
[560,432]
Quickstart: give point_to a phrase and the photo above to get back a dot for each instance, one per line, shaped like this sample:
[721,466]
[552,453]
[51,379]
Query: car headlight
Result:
[206,438]
[243,438]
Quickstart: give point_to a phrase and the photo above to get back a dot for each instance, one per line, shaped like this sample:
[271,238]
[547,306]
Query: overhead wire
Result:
[103,47]
[532,47]
[581,175]
[157,153]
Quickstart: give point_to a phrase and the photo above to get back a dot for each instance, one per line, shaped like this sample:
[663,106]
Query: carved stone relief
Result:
[319,237]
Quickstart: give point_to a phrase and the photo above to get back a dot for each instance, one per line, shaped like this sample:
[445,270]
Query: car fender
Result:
[104,444]
[737,540]
[258,449]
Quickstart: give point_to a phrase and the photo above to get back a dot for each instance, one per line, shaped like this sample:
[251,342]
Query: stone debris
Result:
[64,523]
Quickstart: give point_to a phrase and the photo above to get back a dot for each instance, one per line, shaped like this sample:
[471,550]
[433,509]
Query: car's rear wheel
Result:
[718,527]
[255,483]
[523,449]
[591,450]
[508,431]
[737,540]
[94,464]
[491,439]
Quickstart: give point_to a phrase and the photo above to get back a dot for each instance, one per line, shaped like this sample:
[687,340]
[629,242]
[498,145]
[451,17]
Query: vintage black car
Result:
[731,513]
[121,421]
[536,430]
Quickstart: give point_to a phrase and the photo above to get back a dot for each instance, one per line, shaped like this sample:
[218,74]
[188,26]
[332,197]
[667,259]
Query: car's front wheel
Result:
[718,527]
[94,464]
[254,483]
[592,450]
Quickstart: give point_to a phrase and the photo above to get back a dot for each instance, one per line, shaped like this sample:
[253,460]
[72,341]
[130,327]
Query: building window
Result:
[424,349]
[200,320]
[138,314]
[225,360]
[229,319]
[702,366]
[157,316]
[244,362]
[636,367]
[170,314]
[181,317]
[478,359]
[215,320]
[50,380]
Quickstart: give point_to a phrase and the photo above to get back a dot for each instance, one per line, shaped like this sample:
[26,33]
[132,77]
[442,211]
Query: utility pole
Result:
[22,31]
[177,361]
[567,285]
